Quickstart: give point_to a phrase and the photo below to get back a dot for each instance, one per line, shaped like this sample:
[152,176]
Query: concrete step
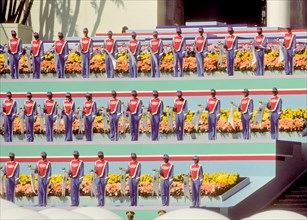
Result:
[295,196]
[290,201]
[295,192]
[290,205]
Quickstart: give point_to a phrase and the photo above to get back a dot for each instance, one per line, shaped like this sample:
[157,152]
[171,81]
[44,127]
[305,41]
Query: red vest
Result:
[133,168]
[274,103]
[75,166]
[42,167]
[8,105]
[259,40]
[244,104]
[29,106]
[179,104]
[288,40]
[155,44]
[178,40]
[154,105]
[85,44]
[14,44]
[212,102]
[113,105]
[133,46]
[230,40]
[109,44]
[10,168]
[68,107]
[49,105]
[200,43]
[166,170]
[36,46]
[194,169]
[133,105]
[100,166]
[88,107]
[59,46]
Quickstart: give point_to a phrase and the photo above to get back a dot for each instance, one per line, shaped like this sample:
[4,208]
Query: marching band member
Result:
[135,48]
[231,47]
[213,108]
[181,110]
[201,44]
[111,49]
[89,111]
[61,55]
[37,55]
[86,45]
[166,174]
[196,172]
[156,115]
[290,47]
[156,46]
[10,113]
[246,108]
[50,111]
[179,45]
[15,51]
[102,171]
[135,113]
[76,174]
[68,113]
[114,109]
[260,45]
[30,111]
[275,107]
[11,171]
[134,171]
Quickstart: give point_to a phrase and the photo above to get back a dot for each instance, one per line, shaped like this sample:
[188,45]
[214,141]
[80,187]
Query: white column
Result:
[278,13]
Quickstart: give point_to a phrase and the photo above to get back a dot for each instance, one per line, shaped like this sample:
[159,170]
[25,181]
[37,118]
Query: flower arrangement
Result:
[213,185]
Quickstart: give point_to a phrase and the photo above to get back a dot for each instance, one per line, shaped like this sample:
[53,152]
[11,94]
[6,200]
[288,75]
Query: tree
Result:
[11,11]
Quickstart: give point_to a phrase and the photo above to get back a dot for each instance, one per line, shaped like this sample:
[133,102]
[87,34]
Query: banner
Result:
[124,115]
[197,116]
[80,120]
[93,184]
[131,55]
[21,116]
[58,120]
[32,176]
[123,181]
[221,51]
[281,52]
[233,108]
[64,181]
[170,117]
[144,117]
[104,118]
[155,188]
[28,56]
[259,114]
[254,60]
[41,118]
[2,183]
[114,61]
[186,190]
[153,56]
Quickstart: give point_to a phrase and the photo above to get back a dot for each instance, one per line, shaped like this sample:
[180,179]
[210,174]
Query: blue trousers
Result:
[68,121]
[114,126]
[134,122]
[42,191]
[8,128]
[85,57]
[274,117]
[246,130]
[200,63]
[60,66]
[179,122]
[196,184]
[133,69]
[165,191]
[88,127]
[155,71]
[155,126]
[109,67]
[10,189]
[178,64]
[74,191]
[133,191]
[14,66]
[212,126]
[30,128]
[36,65]
[260,63]
[230,60]
[49,120]
[101,189]
[289,54]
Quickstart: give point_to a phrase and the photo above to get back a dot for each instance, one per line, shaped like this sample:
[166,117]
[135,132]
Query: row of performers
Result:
[134,109]
[155,47]
[100,173]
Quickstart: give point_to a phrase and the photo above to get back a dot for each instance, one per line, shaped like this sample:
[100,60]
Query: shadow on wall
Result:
[61,10]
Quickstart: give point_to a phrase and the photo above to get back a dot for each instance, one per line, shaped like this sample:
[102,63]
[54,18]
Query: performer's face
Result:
[155,95]
[213,94]
[201,33]
[133,37]
[110,36]
[134,95]
[85,34]
[178,32]
[113,96]
[29,97]
[88,98]
[245,94]
[76,156]
[44,157]
[14,35]
[275,93]
[289,30]
[195,161]
[155,36]
[100,156]
[179,96]
[230,32]
[259,32]
[133,158]
[36,37]
[60,37]
[9,96]
[49,96]
[12,158]
[165,160]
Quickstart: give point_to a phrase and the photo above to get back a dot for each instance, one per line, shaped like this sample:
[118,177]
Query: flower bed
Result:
[243,61]
[214,184]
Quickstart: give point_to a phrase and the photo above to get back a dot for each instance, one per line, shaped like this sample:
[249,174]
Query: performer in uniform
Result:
[111,48]
[181,110]
[50,111]
[68,115]
[155,109]
[290,47]
[9,111]
[76,174]
[201,44]
[231,47]
[37,55]
[30,111]
[179,48]
[135,109]
[213,108]
[166,174]
[86,45]
[260,45]
[11,171]
[246,108]
[134,171]
[156,46]
[90,111]
[135,48]
[43,169]
[102,171]
[114,109]
[275,106]
[15,50]
[61,55]
[196,172]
